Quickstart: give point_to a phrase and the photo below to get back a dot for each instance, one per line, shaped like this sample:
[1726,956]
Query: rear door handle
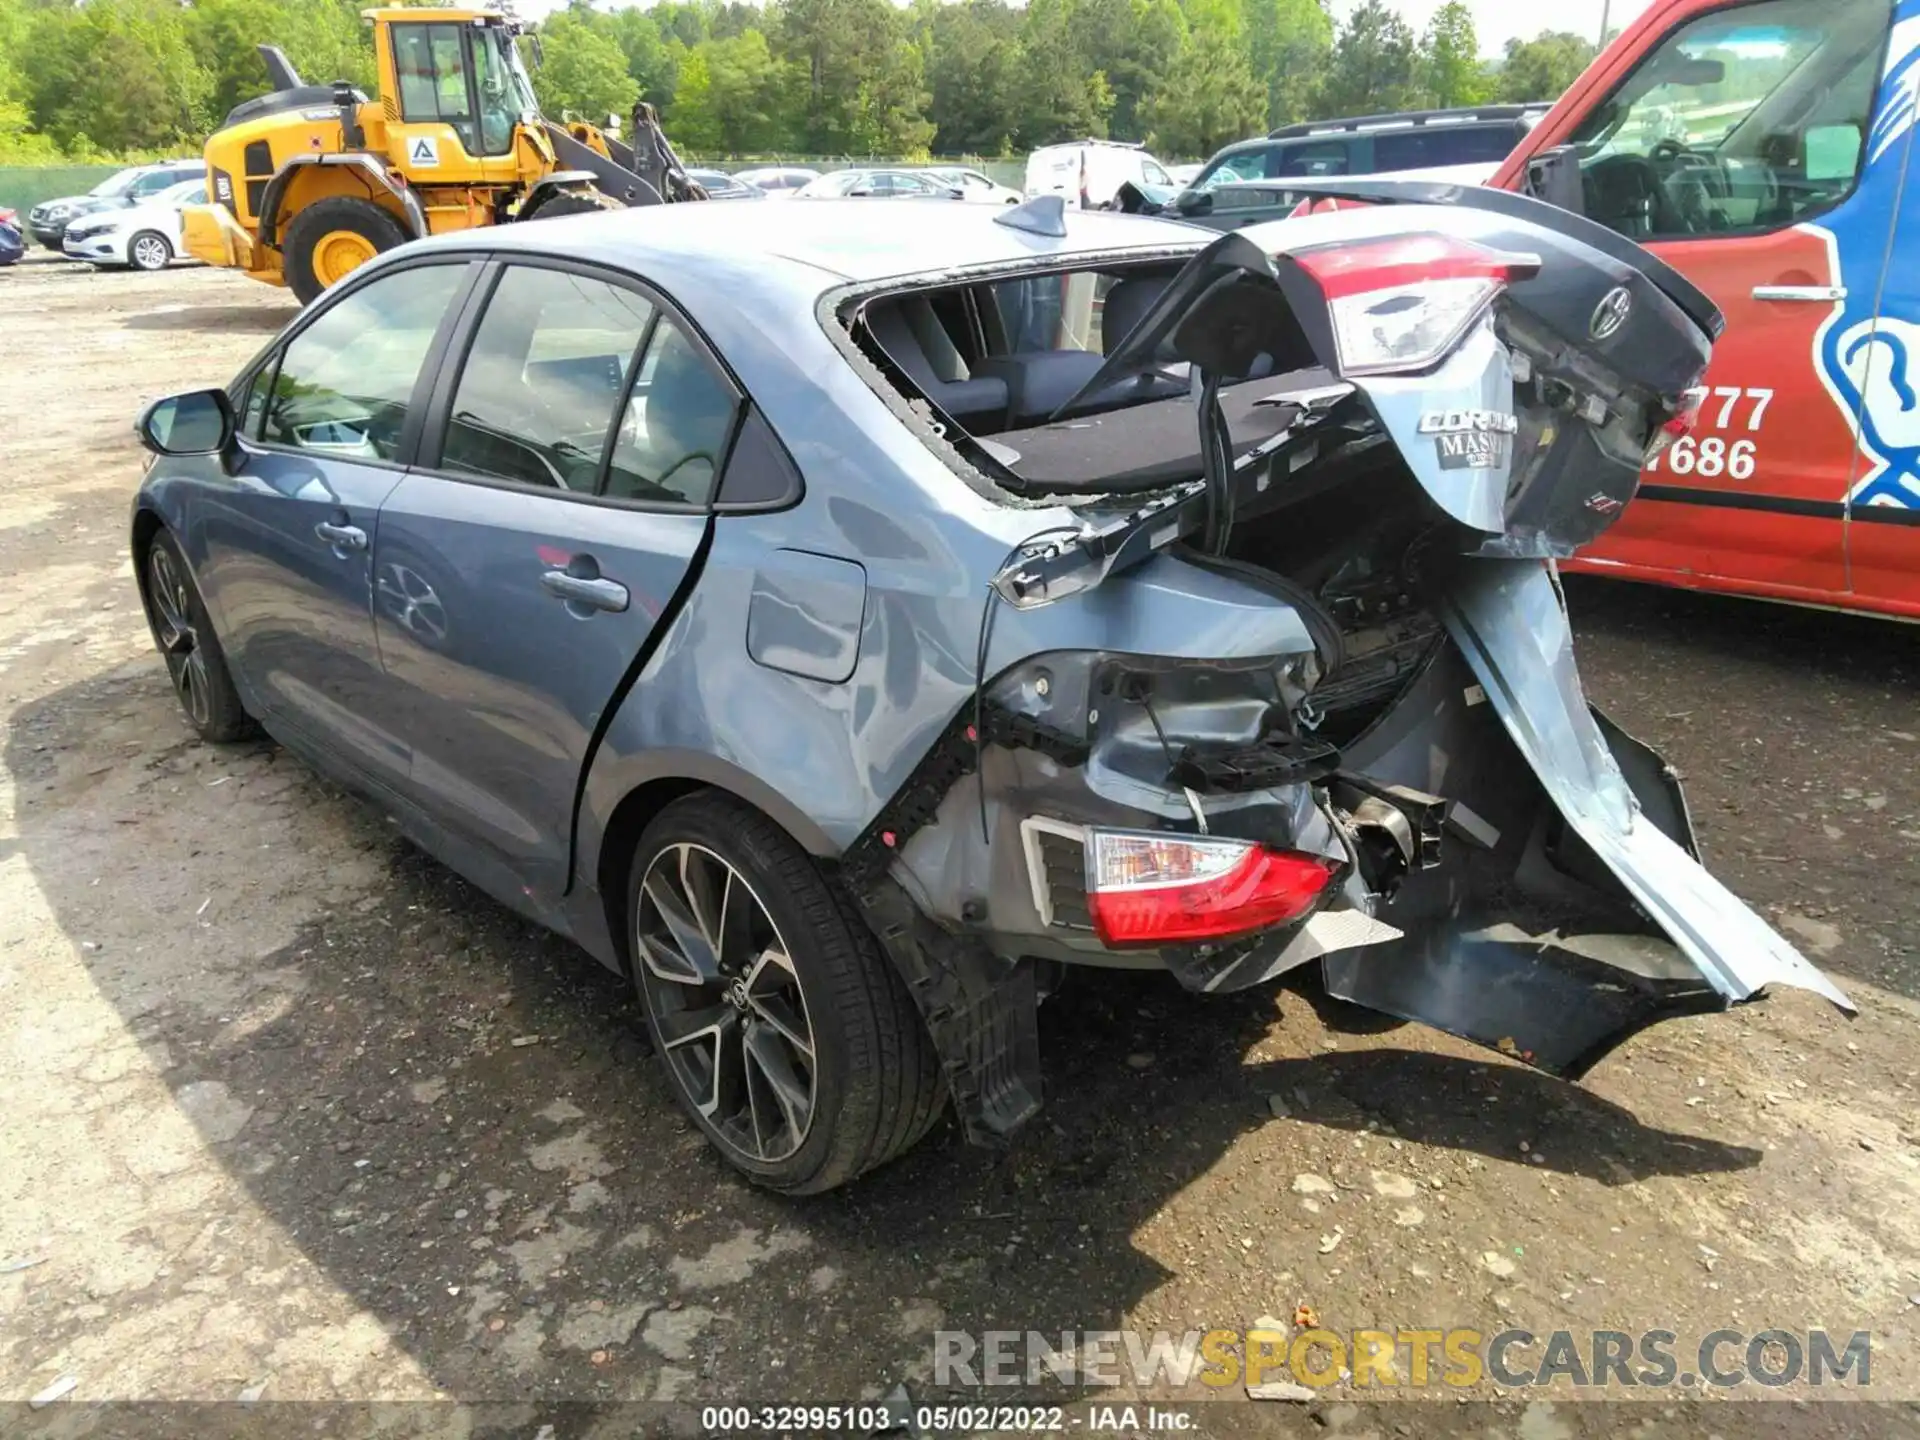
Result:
[1814,294]
[595,594]
[341,537]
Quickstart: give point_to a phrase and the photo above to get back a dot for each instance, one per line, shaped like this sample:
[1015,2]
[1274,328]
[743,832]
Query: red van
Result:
[1763,149]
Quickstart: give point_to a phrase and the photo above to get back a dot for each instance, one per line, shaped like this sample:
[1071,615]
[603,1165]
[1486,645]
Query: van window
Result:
[1318,157]
[1241,165]
[1746,119]
[1435,145]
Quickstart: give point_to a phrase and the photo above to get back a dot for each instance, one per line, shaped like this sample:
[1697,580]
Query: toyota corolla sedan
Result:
[842,631]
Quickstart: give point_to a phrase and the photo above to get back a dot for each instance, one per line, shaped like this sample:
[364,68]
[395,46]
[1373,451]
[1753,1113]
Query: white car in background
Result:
[144,236]
[778,180]
[974,186]
[1088,174]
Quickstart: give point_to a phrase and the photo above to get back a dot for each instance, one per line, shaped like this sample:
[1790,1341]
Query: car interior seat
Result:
[913,339]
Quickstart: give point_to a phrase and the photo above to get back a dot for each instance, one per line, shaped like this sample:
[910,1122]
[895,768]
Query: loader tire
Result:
[332,238]
[574,202]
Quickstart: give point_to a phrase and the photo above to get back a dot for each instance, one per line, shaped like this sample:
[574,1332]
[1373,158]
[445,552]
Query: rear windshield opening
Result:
[1006,364]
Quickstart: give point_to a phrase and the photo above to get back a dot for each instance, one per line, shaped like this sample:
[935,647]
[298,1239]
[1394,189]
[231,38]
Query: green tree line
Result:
[111,77]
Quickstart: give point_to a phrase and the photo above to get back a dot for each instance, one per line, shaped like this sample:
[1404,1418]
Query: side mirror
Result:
[197,423]
[1554,176]
[1193,202]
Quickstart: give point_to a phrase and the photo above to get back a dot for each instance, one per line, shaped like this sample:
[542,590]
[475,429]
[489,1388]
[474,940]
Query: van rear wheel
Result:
[332,238]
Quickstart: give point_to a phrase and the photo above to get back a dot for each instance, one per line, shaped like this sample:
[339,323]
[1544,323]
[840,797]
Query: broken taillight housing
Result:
[1403,302]
[1160,889]
[1676,426]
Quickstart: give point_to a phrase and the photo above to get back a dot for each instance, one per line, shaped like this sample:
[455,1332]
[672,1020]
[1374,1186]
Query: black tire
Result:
[573,202]
[322,218]
[876,1078]
[183,632]
[149,251]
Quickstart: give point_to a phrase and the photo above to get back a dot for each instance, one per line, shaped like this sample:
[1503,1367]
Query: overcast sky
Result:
[1495,21]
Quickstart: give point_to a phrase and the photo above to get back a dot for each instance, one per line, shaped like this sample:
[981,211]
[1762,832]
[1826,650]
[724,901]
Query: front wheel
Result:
[184,634]
[785,1032]
[149,251]
[332,238]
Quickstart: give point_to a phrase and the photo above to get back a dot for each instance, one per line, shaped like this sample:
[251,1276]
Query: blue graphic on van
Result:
[1871,364]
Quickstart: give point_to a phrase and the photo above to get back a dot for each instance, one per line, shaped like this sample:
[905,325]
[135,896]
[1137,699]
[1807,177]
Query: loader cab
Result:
[462,93]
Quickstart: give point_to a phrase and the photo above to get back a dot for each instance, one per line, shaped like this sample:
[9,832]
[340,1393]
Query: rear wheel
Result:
[785,1032]
[149,251]
[332,238]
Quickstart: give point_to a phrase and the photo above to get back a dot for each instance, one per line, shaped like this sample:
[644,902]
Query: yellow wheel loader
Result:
[309,182]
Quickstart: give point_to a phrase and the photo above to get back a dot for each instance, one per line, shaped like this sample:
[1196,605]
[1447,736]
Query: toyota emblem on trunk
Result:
[1611,313]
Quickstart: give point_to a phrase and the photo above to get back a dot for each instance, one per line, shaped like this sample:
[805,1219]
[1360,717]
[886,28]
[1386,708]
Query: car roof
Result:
[914,238]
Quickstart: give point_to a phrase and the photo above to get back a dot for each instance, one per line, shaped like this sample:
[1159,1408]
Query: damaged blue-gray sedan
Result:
[842,627]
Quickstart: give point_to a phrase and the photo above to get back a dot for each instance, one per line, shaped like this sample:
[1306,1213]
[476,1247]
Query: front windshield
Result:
[1704,84]
[506,93]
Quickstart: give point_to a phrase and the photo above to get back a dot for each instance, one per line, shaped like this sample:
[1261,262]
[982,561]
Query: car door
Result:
[1724,151]
[329,421]
[560,505]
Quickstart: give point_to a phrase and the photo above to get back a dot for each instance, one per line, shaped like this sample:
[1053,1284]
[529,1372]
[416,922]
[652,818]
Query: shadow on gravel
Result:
[195,318]
[456,1118]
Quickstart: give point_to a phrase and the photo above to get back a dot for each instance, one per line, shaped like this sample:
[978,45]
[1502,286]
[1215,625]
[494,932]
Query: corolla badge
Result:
[1611,313]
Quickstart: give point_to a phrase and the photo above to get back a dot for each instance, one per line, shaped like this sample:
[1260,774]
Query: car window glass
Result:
[1745,119]
[676,425]
[1431,145]
[252,408]
[1241,165]
[346,380]
[543,379]
[433,78]
[1322,157]
[1155,175]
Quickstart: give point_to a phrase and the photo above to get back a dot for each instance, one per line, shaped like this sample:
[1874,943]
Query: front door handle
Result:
[1813,294]
[341,537]
[595,594]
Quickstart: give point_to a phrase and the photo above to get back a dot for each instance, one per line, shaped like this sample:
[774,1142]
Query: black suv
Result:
[1244,182]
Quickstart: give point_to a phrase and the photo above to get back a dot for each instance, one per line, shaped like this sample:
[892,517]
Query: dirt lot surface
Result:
[290,1111]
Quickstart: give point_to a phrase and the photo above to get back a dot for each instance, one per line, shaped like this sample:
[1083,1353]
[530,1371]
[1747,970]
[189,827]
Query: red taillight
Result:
[1236,888]
[1676,426]
[1403,302]
[1407,259]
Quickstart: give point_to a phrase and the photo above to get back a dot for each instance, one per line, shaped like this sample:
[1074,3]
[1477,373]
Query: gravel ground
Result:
[293,1112]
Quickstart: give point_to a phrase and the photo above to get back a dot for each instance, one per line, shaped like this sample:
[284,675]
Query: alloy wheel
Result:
[177,636]
[150,253]
[726,1003]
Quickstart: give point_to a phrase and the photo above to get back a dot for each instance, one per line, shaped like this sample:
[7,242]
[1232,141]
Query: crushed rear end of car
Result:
[1284,674]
